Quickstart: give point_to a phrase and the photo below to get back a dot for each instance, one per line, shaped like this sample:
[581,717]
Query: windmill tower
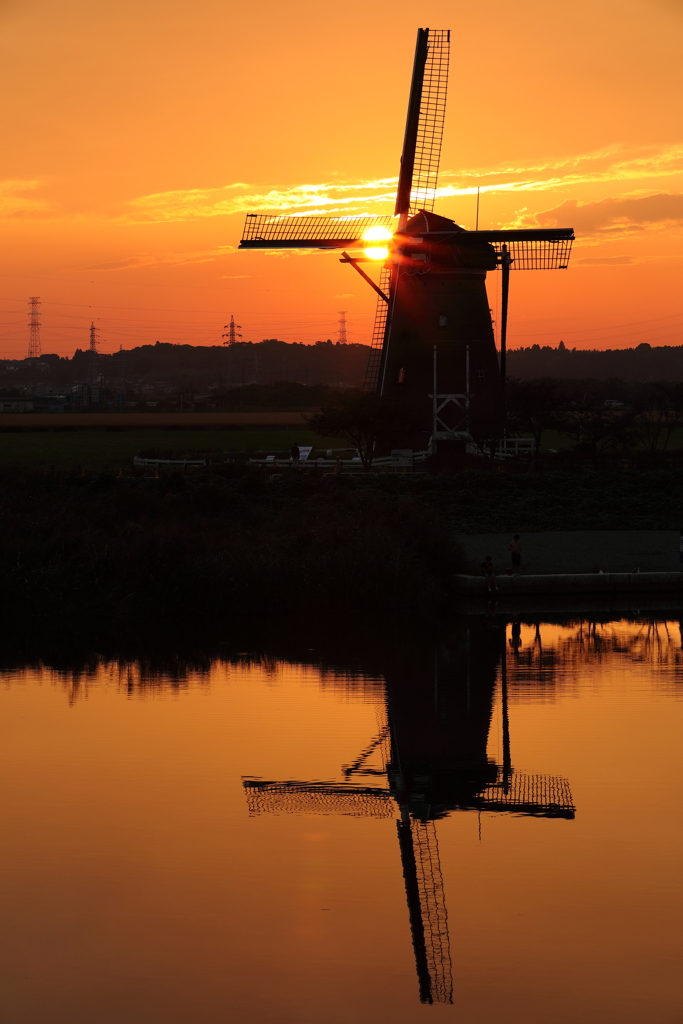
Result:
[433,343]
[34,327]
[433,759]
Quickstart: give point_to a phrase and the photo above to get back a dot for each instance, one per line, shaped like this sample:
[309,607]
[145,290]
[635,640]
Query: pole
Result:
[507,763]
[505,263]
[434,406]
[467,388]
[477,224]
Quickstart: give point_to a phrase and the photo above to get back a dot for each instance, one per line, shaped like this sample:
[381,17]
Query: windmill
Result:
[433,746]
[433,341]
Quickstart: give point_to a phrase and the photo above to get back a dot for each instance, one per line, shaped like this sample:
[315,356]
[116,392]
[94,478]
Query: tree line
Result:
[597,415]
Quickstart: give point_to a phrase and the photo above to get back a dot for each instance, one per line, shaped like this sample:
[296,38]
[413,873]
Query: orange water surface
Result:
[485,831]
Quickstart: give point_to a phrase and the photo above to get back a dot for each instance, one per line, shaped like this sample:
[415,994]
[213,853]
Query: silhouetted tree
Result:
[534,406]
[596,423]
[658,412]
[364,421]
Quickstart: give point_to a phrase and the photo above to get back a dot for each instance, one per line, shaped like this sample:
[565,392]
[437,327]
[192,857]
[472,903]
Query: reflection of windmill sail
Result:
[293,797]
[432,749]
[538,796]
[541,796]
[427,909]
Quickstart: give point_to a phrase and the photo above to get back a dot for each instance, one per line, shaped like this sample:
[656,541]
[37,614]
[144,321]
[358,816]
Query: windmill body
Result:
[433,342]
[441,327]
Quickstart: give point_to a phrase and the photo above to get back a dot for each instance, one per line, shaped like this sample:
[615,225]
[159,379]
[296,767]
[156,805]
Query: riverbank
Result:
[106,553]
[577,551]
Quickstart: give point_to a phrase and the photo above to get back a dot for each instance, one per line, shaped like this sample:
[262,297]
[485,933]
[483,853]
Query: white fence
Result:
[137,461]
[504,447]
[385,463]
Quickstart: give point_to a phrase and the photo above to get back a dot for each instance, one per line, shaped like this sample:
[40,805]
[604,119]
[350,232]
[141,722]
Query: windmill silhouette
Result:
[433,341]
[433,746]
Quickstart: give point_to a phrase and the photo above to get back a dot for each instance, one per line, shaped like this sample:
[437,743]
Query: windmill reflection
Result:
[433,745]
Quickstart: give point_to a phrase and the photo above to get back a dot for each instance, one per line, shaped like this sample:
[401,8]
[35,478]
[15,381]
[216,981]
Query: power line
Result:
[610,327]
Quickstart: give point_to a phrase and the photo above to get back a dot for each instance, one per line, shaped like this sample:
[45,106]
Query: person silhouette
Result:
[489,574]
[515,549]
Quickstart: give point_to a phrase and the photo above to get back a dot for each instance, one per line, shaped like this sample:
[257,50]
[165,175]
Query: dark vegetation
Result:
[102,556]
[368,423]
[595,415]
[210,374]
[119,553]
[165,369]
[591,499]
[642,363]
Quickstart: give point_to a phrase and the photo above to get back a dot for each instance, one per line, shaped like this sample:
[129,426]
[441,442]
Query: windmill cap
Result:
[424,222]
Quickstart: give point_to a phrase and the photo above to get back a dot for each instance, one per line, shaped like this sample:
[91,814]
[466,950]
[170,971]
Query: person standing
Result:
[515,549]
[294,453]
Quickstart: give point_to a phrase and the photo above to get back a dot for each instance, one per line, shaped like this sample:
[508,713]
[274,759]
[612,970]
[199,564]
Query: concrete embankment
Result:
[576,551]
[604,584]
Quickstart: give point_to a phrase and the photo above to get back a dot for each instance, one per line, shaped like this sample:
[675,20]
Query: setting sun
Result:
[377,234]
[376,252]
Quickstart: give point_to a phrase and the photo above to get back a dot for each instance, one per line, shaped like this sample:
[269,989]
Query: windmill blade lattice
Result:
[432,901]
[378,332]
[268,231]
[431,121]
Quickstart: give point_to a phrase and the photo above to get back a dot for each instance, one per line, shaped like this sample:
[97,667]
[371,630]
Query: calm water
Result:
[489,831]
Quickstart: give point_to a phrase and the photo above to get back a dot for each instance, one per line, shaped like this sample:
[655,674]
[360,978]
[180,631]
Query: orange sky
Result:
[136,135]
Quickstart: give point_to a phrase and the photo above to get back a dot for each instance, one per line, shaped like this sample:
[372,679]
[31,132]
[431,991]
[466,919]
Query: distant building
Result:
[16,404]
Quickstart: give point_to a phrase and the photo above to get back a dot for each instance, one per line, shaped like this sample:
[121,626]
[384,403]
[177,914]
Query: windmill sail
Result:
[269,231]
[426,909]
[424,124]
[431,121]
[378,331]
[419,165]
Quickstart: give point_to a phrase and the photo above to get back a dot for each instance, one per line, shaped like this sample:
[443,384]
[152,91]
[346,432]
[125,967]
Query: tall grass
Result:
[136,554]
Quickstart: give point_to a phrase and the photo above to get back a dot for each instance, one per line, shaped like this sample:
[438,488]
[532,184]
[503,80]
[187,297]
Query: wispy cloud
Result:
[315,199]
[15,203]
[613,164]
[613,217]
[605,261]
[147,259]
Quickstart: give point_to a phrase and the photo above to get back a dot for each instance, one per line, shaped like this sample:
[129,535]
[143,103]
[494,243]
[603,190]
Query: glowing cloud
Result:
[612,164]
[613,217]
[14,203]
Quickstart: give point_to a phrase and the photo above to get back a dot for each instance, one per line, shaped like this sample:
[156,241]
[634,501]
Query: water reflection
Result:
[139,889]
[432,745]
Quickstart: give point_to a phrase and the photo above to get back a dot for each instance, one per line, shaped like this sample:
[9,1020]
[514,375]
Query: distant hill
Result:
[641,363]
[165,368]
[203,366]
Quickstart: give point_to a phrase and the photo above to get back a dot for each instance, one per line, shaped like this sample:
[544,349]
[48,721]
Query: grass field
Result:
[97,449]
